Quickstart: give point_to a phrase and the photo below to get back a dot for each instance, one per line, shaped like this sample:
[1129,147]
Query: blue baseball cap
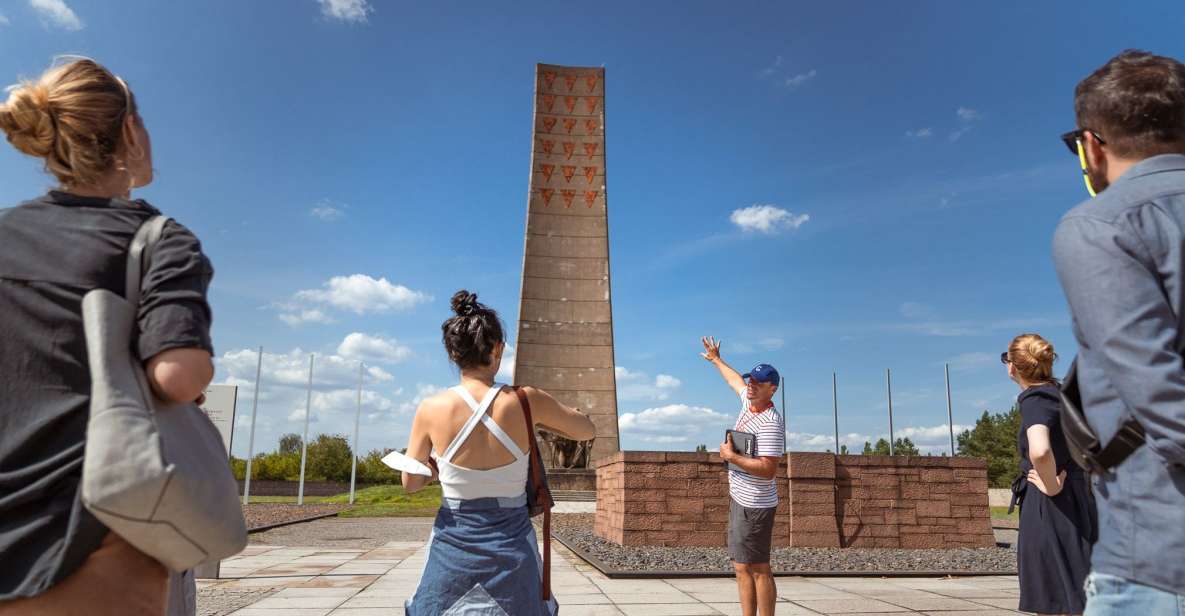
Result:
[763,373]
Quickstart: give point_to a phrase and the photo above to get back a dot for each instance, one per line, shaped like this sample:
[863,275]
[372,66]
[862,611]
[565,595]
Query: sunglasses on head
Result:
[1004,357]
[1072,138]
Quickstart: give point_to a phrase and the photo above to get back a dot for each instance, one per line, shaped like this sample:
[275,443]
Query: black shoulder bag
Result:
[1083,443]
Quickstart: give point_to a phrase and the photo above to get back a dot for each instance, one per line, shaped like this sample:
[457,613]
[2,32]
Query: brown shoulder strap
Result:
[536,472]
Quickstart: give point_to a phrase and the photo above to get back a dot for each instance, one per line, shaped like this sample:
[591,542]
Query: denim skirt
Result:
[483,560]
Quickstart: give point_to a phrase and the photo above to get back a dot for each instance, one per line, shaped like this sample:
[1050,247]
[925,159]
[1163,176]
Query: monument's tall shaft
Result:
[565,329]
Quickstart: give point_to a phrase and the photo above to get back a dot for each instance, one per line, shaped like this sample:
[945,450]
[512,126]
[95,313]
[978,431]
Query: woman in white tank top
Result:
[482,557]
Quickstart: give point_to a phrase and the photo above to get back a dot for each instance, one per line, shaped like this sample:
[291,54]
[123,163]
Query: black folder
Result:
[745,443]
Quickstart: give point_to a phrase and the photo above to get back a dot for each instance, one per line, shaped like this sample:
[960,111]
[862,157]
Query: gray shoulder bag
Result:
[154,473]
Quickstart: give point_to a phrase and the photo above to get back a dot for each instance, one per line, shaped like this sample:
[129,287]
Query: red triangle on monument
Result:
[569,149]
[590,197]
[590,103]
[547,145]
[548,101]
[569,124]
[570,81]
[546,170]
[548,78]
[569,171]
[546,193]
[591,81]
[591,125]
[570,103]
[568,196]
[590,149]
[590,173]
[548,124]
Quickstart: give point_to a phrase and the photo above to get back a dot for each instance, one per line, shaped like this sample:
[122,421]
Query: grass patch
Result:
[390,501]
[1001,513]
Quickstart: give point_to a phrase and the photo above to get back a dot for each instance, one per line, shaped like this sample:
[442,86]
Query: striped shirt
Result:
[748,490]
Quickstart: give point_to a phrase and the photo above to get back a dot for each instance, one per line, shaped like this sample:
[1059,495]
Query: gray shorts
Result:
[749,533]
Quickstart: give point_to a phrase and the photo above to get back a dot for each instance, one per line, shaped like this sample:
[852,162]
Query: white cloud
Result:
[357,293]
[298,317]
[921,133]
[773,68]
[666,381]
[673,423]
[771,344]
[423,390]
[928,439]
[805,441]
[967,114]
[506,370]
[968,361]
[328,211]
[958,134]
[635,385]
[58,13]
[4,20]
[767,219]
[798,80]
[350,11]
[373,348]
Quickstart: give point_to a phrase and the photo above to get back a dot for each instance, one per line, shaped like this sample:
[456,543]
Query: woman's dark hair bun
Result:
[472,334]
[464,303]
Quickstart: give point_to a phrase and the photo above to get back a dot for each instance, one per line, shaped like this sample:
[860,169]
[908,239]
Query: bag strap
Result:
[537,479]
[140,254]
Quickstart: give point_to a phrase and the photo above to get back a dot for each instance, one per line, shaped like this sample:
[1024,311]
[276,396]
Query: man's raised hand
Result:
[711,348]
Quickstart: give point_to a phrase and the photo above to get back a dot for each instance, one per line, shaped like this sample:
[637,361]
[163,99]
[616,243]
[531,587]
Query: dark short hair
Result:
[1136,101]
[472,333]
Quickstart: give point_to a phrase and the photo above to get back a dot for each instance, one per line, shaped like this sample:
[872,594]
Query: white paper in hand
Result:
[403,463]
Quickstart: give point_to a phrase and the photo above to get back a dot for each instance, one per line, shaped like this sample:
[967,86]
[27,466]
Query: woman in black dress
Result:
[1057,520]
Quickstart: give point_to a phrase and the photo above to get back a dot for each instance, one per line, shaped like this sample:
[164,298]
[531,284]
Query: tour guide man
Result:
[753,492]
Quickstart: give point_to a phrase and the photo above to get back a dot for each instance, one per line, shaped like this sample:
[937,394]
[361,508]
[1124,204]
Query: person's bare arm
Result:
[765,467]
[419,447]
[553,416]
[180,375]
[1047,478]
[712,354]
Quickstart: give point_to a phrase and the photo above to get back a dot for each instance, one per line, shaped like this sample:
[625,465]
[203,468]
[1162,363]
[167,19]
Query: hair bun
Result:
[464,303]
[26,120]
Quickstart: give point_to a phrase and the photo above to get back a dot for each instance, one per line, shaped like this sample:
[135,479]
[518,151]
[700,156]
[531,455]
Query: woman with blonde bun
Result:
[82,121]
[1057,520]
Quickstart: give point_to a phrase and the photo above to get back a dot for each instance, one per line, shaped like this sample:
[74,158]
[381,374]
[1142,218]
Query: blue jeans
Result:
[1108,595]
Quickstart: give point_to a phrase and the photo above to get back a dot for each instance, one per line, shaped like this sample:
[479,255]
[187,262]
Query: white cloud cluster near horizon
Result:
[356,293]
[349,11]
[920,133]
[633,385]
[57,13]
[4,20]
[767,219]
[671,424]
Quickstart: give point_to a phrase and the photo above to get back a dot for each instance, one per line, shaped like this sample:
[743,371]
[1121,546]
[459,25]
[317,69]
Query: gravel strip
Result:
[577,530]
[266,514]
[222,600]
[347,533]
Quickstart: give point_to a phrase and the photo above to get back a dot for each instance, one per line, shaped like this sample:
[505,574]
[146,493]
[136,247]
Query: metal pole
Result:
[354,451]
[251,440]
[889,390]
[835,409]
[304,442]
[950,422]
[785,412]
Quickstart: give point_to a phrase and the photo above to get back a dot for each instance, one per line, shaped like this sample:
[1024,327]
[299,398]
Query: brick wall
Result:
[668,498]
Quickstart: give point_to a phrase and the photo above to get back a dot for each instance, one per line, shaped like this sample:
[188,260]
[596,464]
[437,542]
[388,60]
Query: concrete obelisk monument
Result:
[565,328]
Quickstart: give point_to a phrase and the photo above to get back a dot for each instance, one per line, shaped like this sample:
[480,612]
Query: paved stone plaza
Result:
[291,580]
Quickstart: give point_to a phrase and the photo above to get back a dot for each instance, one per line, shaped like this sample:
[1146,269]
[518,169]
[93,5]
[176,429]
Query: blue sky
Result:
[349,164]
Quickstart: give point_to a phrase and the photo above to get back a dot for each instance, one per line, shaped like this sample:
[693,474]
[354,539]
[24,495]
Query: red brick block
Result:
[685,505]
[811,497]
[933,508]
[648,521]
[812,523]
[937,475]
[686,456]
[922,541]
[706,539]
[609,459]
[814,540]
[809,465]
[681,470]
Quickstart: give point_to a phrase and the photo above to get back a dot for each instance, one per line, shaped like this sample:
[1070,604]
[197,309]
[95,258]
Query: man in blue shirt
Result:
[1120,258]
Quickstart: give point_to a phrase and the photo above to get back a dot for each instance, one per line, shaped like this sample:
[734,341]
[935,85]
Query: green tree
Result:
[905,447]
[701,449]
[843,450]
[372,471]
[994,439]
[290,443]
[329,458]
